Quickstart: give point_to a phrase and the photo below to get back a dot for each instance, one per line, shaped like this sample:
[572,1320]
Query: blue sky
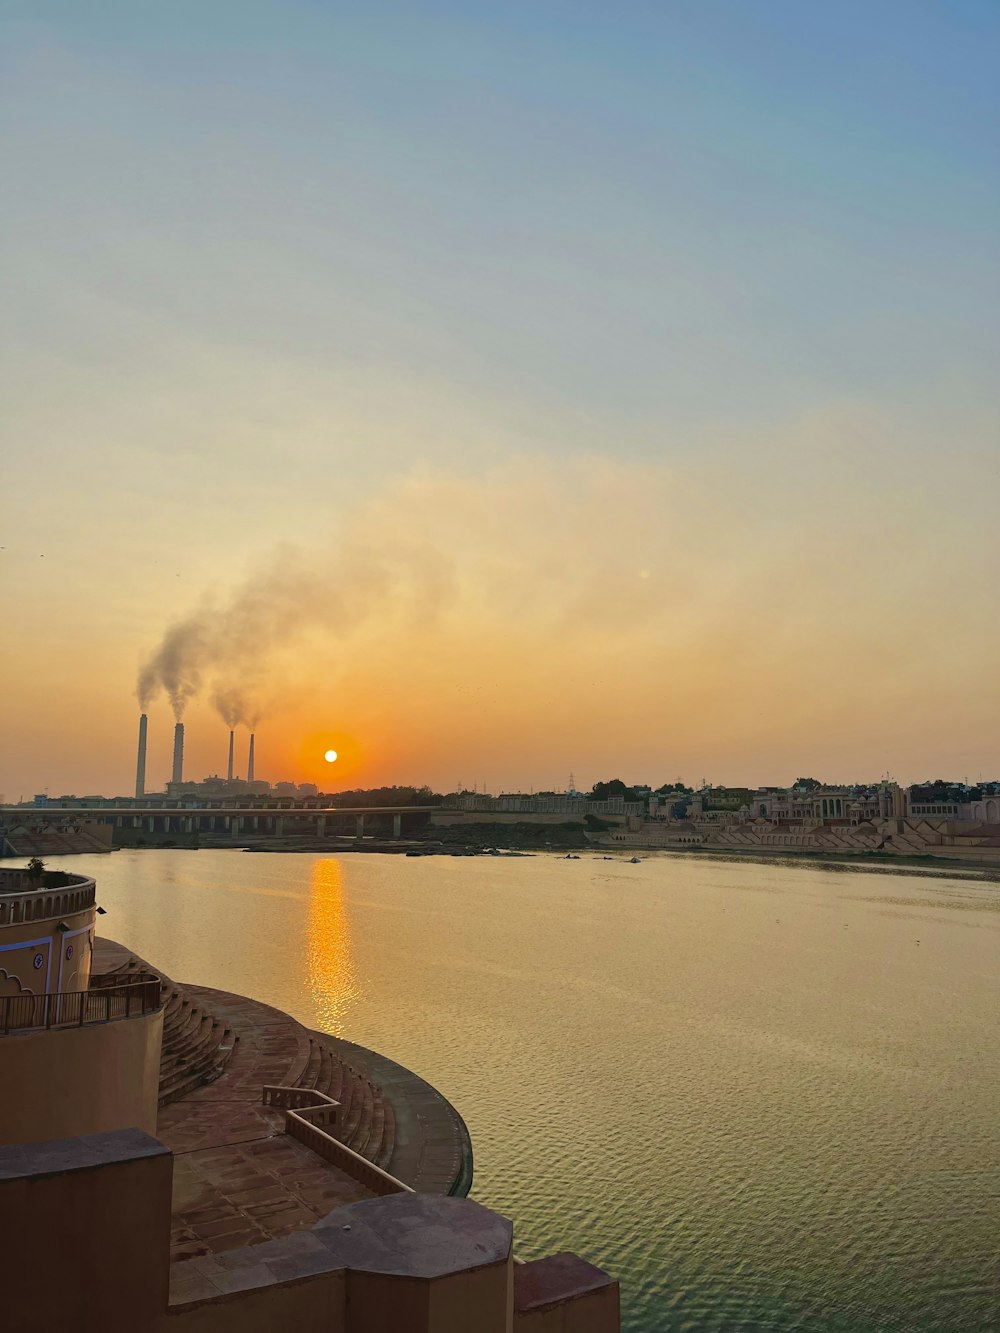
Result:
[691,209]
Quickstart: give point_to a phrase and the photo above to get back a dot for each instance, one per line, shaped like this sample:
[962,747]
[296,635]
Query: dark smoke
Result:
[176,665]
[229,646]
[233,706]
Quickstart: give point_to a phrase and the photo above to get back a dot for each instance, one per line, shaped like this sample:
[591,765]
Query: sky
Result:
[499,392]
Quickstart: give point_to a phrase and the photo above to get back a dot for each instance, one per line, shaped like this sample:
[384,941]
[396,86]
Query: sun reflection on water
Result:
[332,976]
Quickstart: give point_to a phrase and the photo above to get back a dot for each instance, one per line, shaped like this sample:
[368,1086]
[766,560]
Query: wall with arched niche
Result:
[50,953]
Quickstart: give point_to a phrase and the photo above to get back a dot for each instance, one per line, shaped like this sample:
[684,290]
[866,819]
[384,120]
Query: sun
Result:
[331,756]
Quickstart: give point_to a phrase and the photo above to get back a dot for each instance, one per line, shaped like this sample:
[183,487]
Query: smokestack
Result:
[250,761]
[140,766]
[179,753]
[232,742]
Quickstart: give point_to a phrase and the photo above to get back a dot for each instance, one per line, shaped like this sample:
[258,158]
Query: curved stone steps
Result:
[362,1122]
[388,1144]
[310,1075]
[214,1038]
[376,1126]
[187,1027]
[209,1034]
[196,1045]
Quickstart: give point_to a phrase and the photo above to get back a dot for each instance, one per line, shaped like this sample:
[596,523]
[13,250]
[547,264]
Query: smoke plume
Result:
[230,646]
[612,600]
[234,705]
[175,667]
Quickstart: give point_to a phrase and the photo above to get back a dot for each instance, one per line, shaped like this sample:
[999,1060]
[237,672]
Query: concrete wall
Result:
[86,1234]
[564,1294]
[477,1298]
[65,955]
[80,1080]
[310,1305]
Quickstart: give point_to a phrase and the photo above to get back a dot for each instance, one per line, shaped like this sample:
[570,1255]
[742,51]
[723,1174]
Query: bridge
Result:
[221,819]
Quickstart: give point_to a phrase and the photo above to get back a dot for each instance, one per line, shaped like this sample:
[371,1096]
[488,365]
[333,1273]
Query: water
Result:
[765,1096]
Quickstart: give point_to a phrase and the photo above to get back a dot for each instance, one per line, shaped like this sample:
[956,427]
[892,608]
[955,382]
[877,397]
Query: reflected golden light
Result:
[332,977]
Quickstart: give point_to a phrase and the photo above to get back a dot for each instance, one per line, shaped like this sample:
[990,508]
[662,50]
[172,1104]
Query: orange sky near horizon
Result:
[610,619]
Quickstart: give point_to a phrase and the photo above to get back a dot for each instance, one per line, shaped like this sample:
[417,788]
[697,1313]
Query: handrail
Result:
[308,1113]
[60,1009]
[104,980]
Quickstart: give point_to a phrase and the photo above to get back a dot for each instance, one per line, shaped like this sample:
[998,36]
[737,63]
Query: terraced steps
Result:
[196,1046]
[365,1121]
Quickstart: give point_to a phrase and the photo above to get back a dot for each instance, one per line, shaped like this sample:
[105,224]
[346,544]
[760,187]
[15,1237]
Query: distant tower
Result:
[250,761]
[178,753]
[140,766]
[232,742]
[572,784]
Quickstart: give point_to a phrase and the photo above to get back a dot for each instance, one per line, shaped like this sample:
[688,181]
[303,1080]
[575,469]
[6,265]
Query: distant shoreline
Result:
[867,861]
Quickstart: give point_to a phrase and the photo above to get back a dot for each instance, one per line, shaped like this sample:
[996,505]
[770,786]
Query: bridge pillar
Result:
[397,826]
[321,826]
[359,826]
[152,823]
[279,826]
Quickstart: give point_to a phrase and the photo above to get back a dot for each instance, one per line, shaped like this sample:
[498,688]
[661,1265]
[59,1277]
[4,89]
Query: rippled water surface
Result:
[765,1096]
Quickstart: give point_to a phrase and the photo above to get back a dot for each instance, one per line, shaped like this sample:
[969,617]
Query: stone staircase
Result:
[28,842]
[366,1122]
[196,1045]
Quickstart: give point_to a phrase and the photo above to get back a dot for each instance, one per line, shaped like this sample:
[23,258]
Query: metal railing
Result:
[60,1009]
[309,1116]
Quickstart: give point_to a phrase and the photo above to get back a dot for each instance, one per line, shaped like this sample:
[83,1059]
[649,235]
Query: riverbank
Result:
[862,862]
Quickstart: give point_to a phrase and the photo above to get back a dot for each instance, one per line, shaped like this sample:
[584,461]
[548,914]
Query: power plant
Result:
[178,770]
[213,786]
[140,766]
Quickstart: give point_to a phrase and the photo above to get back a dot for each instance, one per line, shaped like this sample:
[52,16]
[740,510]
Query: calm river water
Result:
[765,1096]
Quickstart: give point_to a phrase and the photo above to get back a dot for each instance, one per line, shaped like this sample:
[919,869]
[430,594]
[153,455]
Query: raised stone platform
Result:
[416,1237]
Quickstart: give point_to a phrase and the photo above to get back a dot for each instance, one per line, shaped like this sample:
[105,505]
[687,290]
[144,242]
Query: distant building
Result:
[217,786]
[295,789]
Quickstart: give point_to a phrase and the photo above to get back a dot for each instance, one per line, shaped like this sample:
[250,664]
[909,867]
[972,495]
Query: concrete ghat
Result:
[421,1236]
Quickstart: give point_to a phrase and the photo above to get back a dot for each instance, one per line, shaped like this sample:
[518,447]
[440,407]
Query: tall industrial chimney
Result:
[232,742]
[140,766]
[178,753]
[250,761]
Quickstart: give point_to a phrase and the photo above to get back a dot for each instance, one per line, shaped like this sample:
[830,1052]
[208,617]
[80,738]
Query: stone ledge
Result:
[58,1156]
[544,1283]
[422,1236]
